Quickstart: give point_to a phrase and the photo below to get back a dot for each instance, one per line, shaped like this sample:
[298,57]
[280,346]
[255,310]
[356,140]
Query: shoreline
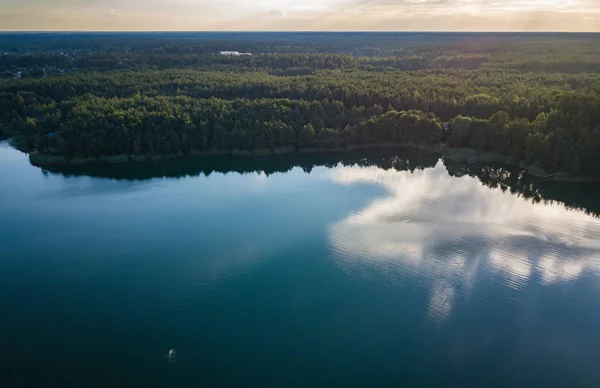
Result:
[41,160]
[466,155]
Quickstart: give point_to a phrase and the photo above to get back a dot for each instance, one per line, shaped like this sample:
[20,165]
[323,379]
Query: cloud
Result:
[436,15]
[274,14]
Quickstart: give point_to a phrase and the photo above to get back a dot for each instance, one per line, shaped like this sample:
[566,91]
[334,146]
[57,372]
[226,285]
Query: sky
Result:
[300,15]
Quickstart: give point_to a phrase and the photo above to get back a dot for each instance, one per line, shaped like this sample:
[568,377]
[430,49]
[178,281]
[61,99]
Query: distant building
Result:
[233,53]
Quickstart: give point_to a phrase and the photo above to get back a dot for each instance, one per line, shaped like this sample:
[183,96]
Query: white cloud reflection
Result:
[449,230]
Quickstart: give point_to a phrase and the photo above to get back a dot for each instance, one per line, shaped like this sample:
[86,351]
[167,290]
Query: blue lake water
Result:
[350,274]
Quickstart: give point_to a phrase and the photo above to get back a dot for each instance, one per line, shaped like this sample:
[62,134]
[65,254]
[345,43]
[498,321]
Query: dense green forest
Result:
[533,98]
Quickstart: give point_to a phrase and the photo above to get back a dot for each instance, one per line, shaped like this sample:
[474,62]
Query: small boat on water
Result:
[171,354]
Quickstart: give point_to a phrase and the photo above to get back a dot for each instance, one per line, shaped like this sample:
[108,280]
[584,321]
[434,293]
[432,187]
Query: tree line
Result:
[172,101]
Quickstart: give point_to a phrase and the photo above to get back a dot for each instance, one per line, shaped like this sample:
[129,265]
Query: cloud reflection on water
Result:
[450,229]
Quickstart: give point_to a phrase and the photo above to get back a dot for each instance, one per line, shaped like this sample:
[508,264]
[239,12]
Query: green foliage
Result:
[537,102]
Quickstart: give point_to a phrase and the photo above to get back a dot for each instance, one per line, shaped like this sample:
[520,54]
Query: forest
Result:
[533,98]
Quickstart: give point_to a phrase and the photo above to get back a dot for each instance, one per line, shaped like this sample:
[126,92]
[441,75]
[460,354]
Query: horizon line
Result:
[302,31]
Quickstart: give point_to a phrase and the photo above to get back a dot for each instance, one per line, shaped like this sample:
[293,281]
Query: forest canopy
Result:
[531,97]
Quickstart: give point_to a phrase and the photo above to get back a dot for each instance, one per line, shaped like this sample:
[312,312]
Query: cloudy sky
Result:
[202,15]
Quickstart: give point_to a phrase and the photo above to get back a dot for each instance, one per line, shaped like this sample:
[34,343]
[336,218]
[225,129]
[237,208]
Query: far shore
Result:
[466,155]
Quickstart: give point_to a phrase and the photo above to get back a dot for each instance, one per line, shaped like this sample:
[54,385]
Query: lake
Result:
[381,268]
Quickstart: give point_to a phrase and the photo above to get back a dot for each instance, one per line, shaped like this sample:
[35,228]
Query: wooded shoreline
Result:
[532,102]
[466,155]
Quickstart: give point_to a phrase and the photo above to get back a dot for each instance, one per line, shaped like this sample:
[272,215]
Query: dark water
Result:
[394,270]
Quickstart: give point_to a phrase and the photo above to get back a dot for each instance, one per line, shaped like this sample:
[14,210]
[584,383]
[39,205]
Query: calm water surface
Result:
[341,276]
